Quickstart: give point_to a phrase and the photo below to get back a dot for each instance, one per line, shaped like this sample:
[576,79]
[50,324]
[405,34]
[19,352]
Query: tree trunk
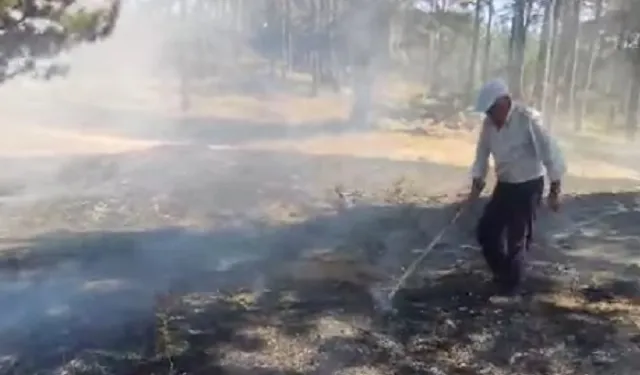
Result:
[564,52]
[471,78]
[594,52]
[438,52]
[512,36]
[518,40]
[616,81]
[334,70]
[543,53]
[434,61]
[573,85]
[286,38]
[549,88]
[431,51]
[271,16]
[631,123]
[238,27]
[487,42]
[315,56]
[183,69]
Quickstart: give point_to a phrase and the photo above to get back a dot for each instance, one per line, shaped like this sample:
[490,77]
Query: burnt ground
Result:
[194,260]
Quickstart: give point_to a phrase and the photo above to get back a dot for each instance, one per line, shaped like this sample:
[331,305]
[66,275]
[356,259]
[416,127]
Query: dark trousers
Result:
[509,215]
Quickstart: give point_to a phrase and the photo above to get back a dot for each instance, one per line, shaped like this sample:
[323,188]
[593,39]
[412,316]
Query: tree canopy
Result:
[32,29]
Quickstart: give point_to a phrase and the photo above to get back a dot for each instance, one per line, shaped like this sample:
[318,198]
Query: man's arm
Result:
[480,166]
[550,153]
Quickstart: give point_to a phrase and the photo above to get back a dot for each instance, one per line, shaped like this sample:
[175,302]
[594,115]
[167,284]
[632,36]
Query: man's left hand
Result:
[553,201]
[477,186]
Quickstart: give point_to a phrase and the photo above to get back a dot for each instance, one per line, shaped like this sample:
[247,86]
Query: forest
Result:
[572,59]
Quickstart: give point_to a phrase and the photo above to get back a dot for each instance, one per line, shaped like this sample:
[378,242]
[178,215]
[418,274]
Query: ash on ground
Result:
[245,264]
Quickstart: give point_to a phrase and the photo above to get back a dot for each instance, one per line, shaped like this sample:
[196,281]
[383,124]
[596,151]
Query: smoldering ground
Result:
[149,242]
[238,297]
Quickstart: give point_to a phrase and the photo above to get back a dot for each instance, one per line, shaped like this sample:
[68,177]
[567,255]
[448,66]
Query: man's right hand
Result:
[477,185]
[553,199]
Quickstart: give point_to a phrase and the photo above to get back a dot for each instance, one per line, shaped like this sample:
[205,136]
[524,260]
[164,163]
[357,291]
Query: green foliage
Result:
[29,41]
[81,22]
[4,4]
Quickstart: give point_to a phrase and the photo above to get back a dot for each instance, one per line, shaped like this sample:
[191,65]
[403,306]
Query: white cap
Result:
[489,93]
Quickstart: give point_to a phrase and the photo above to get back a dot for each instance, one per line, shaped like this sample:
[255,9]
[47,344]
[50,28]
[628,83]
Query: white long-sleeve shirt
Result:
[522,149]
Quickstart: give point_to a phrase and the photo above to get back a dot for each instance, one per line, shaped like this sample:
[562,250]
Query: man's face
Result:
[499,110]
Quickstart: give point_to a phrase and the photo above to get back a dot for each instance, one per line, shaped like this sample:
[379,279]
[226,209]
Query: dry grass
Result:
[289,109]
[30,141]
[456,149]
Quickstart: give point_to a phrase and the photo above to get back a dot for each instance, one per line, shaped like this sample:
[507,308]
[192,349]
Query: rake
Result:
[413,266]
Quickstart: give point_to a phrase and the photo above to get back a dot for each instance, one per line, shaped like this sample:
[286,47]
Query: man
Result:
[521,149]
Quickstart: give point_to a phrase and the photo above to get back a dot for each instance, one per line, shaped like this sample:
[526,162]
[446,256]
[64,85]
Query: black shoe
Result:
[498,281]
[505,288]
[510,290]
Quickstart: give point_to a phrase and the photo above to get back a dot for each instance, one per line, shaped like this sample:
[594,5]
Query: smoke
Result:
[83,180]
[152,161]
[103,151]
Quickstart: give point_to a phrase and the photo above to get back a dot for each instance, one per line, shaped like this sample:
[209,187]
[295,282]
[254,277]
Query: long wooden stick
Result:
[411,269]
